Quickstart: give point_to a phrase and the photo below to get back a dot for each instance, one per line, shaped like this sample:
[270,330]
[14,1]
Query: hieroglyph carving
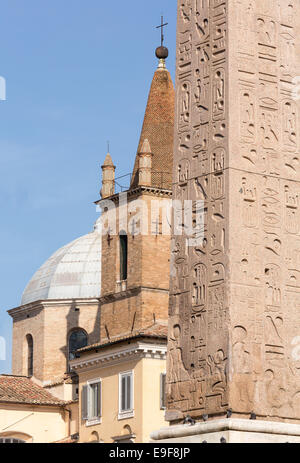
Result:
[198,311]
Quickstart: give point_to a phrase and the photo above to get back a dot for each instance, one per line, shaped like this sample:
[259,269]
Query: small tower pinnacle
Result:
[145,164]
[162,52]
[108,177]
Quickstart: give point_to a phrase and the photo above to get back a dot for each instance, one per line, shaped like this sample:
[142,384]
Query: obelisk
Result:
[234,320]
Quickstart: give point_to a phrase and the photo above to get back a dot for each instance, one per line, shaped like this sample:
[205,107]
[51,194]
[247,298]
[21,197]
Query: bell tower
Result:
[136,248]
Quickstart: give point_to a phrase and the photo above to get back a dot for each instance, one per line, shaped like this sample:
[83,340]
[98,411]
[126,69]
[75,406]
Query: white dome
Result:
[73,272]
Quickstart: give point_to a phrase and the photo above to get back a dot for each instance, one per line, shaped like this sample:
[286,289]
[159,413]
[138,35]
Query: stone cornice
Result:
[137,192]
[135,351]
[32,306]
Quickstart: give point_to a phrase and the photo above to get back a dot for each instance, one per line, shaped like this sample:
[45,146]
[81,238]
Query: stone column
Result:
[234,337]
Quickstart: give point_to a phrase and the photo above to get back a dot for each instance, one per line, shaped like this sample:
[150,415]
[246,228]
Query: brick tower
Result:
[136,254]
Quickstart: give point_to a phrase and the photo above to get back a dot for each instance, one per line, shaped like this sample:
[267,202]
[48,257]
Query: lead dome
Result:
[72,272]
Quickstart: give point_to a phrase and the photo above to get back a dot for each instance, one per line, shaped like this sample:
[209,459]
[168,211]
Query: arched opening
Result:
[15,437]
[11,440]
[29,340]
[127,436]
[77,340]
[94,438]
[123,256]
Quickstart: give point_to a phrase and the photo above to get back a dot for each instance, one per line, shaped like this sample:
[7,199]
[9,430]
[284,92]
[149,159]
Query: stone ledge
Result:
[252,427]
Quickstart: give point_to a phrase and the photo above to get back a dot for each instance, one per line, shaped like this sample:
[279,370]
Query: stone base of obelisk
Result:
[231,431]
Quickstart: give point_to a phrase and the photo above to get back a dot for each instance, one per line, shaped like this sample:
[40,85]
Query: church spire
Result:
[158,126]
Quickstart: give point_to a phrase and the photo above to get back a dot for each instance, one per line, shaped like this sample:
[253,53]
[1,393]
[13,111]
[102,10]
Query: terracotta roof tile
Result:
[156,331]
[20,389]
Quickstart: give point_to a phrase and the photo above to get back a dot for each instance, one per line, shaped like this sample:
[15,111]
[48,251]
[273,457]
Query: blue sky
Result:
[78,74]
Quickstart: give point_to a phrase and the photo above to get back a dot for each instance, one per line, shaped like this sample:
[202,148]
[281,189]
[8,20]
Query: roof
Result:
[158,129]
[156,331]
[108,161]
[72,272]
[68,440]
[22,390]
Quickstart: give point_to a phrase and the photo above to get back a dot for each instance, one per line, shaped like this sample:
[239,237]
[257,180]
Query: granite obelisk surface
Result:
[234,319]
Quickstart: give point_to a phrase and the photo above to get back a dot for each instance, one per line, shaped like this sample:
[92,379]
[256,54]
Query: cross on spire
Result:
[161,27]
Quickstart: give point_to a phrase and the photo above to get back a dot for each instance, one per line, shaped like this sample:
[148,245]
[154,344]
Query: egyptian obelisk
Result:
[234,319]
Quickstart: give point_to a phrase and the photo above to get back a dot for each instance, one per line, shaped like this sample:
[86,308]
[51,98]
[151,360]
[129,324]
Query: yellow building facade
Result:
[143,360]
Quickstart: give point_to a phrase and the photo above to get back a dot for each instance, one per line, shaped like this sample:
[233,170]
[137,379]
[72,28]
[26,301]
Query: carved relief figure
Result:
[249,204]
[269,129]
[185,50]
[202,19]
[177,372]
[290,125]
[287,51]
[218,159]
[182,272]
[276,389]
[273,289]
[183,171]
[243,391]
[266,31]
[217,379]
[291,211]
[203,60]
[219,94]
[247,116]
[185,103]
[186,10]
[199,293]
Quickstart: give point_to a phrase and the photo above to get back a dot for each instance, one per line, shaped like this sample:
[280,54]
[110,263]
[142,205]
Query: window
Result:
[91,402]
[123,256]
[11,440]
[77,340]
[29,339]
[126,395]
[163,401]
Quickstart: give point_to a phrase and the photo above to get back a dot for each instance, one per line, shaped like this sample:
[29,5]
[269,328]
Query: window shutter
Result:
[123,394]
[163,390]
[84,403]
[128,393]
[99,392]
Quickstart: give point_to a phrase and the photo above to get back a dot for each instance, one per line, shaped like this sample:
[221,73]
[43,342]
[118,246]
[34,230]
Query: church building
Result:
[90,335]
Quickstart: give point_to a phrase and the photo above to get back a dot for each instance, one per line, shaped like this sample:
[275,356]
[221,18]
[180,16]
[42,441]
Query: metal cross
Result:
[161,27]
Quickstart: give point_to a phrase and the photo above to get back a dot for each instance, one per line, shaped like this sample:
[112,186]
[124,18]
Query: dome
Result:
[72,272]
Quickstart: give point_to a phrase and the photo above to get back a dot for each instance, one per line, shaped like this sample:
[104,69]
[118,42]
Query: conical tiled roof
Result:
[145,147]
[158,129]
[108,161]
